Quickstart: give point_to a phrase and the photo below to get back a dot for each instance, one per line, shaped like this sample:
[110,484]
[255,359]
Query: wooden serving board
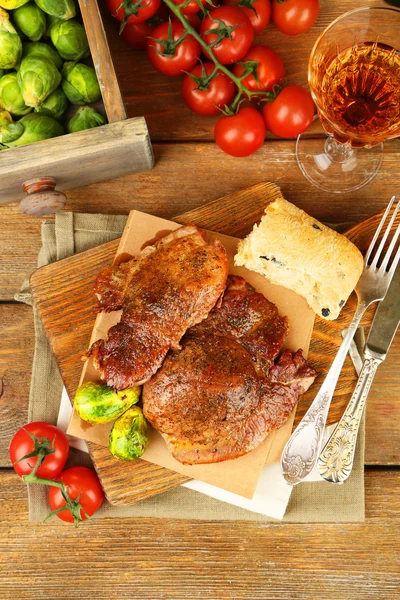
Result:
[63,294]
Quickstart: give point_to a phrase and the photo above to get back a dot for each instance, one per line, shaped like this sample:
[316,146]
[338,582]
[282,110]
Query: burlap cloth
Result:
[309,502]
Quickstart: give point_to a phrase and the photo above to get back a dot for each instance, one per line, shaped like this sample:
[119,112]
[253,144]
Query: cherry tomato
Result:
[80,481]
[220,91]
[133,11]
[192,8]
[185,55]
[290,113]
[228,50]
[48,436]
[242,134]
[270,69]
[258,11]
[293,17]
[136,34]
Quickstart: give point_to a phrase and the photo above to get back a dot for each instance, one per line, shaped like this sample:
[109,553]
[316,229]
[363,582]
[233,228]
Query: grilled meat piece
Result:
[168,288]
[220,396]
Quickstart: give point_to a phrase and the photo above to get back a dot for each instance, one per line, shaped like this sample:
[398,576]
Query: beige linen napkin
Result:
[309,502]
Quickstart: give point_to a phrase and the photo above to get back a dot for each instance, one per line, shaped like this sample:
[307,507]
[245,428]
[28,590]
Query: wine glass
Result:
[354,78]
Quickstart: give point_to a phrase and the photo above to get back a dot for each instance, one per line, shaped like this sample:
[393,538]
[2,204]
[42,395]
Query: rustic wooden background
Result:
[176,559]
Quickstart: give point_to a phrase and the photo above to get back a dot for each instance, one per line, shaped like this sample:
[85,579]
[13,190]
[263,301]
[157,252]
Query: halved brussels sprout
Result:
[12,4]
[69,37]
[5,118]
[128,436]
[29,129]
[37,78]
[98,403]
[85,118]
[80,83]
[10,43]
[30,20]
[55,105]
[11,96]
[42,50]
[62,9]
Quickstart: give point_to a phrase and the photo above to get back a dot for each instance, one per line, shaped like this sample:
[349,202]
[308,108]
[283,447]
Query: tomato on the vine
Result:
[168,57]
[293,17]
[133,11]
[136,34]
[192,8]
[269,71]
[241,134]
[193,19]
[81,483]
[39,437]
[290,113]
[258,11]
[233,35]
[206,98]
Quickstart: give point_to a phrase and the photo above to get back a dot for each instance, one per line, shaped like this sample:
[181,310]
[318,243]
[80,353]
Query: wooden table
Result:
[173,559]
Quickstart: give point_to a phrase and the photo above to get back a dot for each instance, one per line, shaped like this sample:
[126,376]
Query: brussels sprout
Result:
[62,9]
[80,83]
[55,105]
[42,50]
[12,4]
[31,128]
[98,403]
[30,20]
[128,436]
[5,118]
[85,118]
[69,37]
[11,96]
[10,43]
[37,78]
[50,22]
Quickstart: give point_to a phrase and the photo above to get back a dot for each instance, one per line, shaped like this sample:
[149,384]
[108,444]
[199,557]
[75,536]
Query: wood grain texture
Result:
[163,559]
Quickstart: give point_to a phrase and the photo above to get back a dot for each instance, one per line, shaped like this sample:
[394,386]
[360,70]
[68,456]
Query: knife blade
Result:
[386,321]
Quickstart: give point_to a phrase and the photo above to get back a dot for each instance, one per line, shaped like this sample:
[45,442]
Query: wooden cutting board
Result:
[63,294]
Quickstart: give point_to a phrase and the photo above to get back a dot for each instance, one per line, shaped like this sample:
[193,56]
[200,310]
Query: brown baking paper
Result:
[240,475]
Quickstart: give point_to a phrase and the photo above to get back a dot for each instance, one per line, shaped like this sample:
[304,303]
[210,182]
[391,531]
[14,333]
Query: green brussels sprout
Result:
[80,83]
[50,22]
[85,118]
[98,403]
[10,43]
[128,436]
[30,20]
[55,105]
[11,96]
[62,9]
[5,118]
[29,129]
[37,78]
[42,50]
[69,37]
[12,4]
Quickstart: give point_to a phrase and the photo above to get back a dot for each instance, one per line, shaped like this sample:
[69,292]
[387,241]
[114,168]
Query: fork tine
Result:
[389,251]
[385,236]
[377,232]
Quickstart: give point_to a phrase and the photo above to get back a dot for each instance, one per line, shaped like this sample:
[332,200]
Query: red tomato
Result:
[242,134]
[136,34]
[270,69]
[290,113]
[49,437]
[293,17]
[228,50]
[82,482]
[220,91]
[184,57]
[258,11]
[193,19]
[192,8]
[133,11]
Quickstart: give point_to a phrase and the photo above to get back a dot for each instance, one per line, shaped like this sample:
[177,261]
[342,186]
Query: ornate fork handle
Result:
[336,460]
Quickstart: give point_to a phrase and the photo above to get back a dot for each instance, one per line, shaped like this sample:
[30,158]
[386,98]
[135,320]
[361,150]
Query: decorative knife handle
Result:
[336,461]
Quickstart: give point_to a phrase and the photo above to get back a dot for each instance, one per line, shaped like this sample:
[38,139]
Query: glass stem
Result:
[339,153]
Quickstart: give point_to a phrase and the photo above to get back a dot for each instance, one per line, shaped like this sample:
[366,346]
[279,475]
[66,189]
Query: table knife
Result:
[336,459]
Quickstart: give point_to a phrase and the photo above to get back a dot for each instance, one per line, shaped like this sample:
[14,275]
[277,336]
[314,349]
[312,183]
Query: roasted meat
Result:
[169,287]
[222,393]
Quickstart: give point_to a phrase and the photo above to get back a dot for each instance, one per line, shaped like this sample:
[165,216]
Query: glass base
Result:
[337,168]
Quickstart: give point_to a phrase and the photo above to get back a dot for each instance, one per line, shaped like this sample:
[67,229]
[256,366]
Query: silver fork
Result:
[304,446]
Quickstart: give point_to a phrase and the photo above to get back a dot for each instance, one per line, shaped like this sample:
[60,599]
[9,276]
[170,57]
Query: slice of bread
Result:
[298,252]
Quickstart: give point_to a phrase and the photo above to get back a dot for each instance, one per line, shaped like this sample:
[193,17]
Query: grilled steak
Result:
[219,397]
[168,288]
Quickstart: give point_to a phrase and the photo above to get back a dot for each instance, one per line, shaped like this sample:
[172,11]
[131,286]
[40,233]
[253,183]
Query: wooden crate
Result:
[73,160]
